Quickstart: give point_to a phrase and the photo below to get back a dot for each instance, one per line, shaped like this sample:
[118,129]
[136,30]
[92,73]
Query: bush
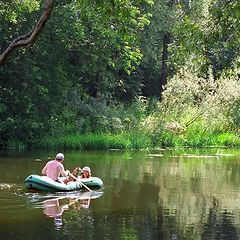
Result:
[194,111]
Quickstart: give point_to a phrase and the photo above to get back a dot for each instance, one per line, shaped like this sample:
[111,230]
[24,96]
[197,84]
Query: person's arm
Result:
[44,170]
[63,172]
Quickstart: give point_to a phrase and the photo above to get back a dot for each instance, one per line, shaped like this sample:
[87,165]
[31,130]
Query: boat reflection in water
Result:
[53,209]
[54,205]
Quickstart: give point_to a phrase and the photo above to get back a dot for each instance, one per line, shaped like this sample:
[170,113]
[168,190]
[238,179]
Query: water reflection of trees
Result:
[219,224]
[144,219]
[174,198]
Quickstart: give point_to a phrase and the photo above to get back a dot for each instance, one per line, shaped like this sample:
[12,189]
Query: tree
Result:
[111,8]
[207,35]
[29,38]
[83,49]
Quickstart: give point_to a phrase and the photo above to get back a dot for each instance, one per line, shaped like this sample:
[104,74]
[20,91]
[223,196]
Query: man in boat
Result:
[54,168]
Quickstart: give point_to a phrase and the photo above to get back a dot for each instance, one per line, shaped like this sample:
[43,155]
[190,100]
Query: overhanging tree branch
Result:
[29,38]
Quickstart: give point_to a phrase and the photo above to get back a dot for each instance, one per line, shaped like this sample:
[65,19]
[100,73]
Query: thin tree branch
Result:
[30,37]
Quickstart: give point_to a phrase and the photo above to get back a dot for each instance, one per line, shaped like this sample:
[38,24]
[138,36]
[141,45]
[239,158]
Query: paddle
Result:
[71,175]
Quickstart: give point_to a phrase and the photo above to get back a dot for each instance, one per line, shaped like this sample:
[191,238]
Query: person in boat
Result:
[72,176]
[54,168]
[86,172]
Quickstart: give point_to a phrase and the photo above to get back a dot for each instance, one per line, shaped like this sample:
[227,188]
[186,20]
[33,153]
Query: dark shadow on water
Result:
[219,225]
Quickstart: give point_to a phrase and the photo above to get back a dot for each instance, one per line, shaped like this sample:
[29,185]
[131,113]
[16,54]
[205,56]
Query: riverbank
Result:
[136,141]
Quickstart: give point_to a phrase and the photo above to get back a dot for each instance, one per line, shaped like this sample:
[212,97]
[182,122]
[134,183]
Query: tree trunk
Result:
[163,78]
[29,38]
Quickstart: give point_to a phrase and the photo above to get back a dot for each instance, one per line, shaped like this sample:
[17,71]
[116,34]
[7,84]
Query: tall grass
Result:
[194,139]
[95,141]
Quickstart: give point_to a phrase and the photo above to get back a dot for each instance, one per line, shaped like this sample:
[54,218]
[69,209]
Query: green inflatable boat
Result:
[43,183]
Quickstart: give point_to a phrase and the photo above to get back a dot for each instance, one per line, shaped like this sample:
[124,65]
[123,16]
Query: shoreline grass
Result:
[93,141]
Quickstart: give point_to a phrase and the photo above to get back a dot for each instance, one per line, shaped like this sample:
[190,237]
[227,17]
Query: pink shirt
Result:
[53,169]
[52,208]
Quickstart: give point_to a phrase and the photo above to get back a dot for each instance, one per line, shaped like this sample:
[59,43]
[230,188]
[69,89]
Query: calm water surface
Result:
[165,194]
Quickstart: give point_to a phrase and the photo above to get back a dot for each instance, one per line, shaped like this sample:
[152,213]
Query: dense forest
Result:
[119,74]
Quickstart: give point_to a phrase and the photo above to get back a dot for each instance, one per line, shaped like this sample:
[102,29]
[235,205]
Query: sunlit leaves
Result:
[111,29]
[13,11]
[207,34]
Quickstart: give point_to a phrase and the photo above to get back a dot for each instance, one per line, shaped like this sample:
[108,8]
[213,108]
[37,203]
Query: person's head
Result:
[86,172]
[59,157]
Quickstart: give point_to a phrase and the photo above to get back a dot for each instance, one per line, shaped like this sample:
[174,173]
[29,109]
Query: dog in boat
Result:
[75,173]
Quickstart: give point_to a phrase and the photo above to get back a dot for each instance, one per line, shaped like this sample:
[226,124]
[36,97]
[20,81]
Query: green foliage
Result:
[13,144]
[207,35]
[35,90]
[236,115]
[99,115]
[81,84]
[188,97]
[195,111]
[115,25]
[227,139]
[14,11]
[95,141]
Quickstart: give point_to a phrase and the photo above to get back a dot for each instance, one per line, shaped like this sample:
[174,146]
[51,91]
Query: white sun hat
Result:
[88,169]
[60,156]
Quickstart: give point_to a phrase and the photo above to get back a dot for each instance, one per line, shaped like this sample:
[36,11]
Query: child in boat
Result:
[75,173]
[86,172]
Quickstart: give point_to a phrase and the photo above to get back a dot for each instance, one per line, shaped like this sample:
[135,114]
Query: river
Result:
[162,194]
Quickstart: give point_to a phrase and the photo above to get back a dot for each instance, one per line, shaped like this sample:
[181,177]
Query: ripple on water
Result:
[10,198]
[6,186]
